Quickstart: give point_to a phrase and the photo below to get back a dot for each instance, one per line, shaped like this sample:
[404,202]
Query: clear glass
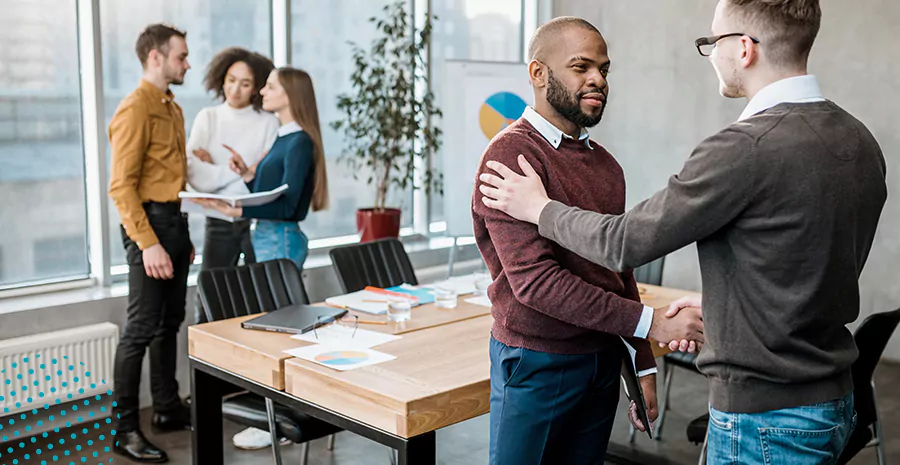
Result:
[210,25]
[482,282]
[470,30]
[445,297]
[320,30]
[399,308]
[44,214]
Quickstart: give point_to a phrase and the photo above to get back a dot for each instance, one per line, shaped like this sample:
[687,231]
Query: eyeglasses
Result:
[345,323]
[706,45]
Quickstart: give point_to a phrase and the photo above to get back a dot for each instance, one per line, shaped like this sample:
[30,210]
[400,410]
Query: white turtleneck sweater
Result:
[248,132]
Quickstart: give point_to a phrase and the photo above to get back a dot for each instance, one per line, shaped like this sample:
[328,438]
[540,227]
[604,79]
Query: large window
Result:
[47,217]
[41,157]
[320,31]
[471,30]
[211,25]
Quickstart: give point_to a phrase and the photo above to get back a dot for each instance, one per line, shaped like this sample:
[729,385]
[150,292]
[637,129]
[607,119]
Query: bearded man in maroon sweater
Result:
[559,320]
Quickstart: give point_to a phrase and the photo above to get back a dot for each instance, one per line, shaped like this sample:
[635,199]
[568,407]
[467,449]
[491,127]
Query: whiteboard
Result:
[479,99]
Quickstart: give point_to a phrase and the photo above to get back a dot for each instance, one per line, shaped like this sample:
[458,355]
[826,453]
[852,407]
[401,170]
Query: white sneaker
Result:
[255,439]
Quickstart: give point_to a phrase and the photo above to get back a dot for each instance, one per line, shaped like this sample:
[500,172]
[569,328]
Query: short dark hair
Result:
[217,70]
[787,29]
[553,28]
[155,37]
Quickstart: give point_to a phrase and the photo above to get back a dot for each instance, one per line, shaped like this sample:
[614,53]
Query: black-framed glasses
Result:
[706,45]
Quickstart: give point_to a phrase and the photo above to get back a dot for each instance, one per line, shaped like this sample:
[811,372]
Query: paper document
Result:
[340,358]
[361,301]
[345,336]
[239,200]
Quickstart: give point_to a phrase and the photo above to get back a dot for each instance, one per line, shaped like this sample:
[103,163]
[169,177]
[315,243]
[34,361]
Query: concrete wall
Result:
[664,100]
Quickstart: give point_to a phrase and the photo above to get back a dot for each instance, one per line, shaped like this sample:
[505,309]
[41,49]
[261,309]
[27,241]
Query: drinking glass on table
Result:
[399,308]
[445,297]
[481,285]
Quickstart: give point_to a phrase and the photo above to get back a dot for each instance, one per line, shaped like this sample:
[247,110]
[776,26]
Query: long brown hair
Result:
[302,102]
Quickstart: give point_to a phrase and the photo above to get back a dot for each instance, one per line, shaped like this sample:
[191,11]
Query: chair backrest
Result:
[651,273]
[871,339]
[381,263]
[250,289]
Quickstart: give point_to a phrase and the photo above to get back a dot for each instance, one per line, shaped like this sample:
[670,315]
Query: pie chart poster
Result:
[480,99]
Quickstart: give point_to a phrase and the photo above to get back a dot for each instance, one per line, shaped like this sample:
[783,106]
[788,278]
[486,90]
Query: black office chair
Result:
[871,338]
[247,290]
[382,263]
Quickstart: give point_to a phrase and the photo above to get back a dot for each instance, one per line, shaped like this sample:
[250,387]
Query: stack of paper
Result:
[462,284]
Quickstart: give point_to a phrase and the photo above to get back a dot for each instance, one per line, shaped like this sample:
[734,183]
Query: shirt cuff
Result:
[647,372]
[643,327]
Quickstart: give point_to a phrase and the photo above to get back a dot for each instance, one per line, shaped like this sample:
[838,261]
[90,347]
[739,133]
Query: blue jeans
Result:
[550,408]
[279,239]
[808,435]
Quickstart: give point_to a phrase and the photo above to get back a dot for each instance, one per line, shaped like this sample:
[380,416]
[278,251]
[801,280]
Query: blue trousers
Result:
[550,408]
[279,239]
[809,435]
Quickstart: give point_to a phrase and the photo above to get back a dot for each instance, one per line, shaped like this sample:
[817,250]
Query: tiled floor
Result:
[467,443]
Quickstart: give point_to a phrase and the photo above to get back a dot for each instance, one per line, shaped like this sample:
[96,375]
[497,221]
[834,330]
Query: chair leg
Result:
[702,460]
[304,453]
[330,442]
[879,434]
[664,406]
[273,431]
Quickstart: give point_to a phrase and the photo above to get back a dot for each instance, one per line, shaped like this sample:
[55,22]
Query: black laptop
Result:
[295,319]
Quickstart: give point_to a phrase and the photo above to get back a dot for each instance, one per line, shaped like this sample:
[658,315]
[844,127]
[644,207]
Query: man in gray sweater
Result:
[783,206]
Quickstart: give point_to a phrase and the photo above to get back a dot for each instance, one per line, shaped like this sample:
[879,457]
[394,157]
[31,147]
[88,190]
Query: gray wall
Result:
[664,100]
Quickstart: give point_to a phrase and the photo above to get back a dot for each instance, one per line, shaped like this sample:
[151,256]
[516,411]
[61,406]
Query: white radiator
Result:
[83,361]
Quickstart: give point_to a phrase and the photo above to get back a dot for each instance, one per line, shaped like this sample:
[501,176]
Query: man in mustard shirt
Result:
[148,170]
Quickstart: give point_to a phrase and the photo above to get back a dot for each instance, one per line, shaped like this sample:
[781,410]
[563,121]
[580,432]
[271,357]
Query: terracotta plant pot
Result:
[375,224]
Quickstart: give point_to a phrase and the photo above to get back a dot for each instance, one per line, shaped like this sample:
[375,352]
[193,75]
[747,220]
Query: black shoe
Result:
[178,420]
[135,446]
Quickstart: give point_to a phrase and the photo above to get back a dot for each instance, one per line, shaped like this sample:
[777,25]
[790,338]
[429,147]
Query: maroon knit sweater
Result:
[544,297]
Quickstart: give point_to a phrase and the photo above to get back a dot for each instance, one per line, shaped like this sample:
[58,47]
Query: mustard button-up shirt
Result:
[149,163]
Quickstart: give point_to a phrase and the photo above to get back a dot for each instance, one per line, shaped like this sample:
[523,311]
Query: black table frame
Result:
[210,383]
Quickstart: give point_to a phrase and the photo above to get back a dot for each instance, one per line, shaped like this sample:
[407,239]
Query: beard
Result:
[569,104]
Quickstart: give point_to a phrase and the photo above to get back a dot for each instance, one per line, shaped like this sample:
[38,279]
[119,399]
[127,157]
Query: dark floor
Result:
[467,443]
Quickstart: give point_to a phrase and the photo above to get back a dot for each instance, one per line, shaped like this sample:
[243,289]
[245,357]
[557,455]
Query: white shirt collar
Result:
[553,134]
[289,128]
[798,89]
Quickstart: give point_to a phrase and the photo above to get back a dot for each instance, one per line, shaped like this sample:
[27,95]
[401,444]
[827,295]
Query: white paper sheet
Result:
[482,300]
[340,358]
[343,336]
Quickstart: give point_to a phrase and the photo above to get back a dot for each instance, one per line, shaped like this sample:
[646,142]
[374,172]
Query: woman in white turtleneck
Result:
[238,124]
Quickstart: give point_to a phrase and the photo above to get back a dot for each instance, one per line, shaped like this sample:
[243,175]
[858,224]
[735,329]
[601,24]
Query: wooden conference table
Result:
[441,376]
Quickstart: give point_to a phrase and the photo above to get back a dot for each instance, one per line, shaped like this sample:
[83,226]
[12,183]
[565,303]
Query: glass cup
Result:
[445,297]
[399,308]
[481,286]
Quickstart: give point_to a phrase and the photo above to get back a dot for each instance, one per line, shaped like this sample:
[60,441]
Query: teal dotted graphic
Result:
[28,380]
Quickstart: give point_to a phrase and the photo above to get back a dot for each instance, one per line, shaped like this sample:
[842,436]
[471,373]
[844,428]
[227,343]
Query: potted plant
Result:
[386,118]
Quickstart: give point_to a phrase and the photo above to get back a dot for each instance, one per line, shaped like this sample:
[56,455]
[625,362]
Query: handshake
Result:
[681,325]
